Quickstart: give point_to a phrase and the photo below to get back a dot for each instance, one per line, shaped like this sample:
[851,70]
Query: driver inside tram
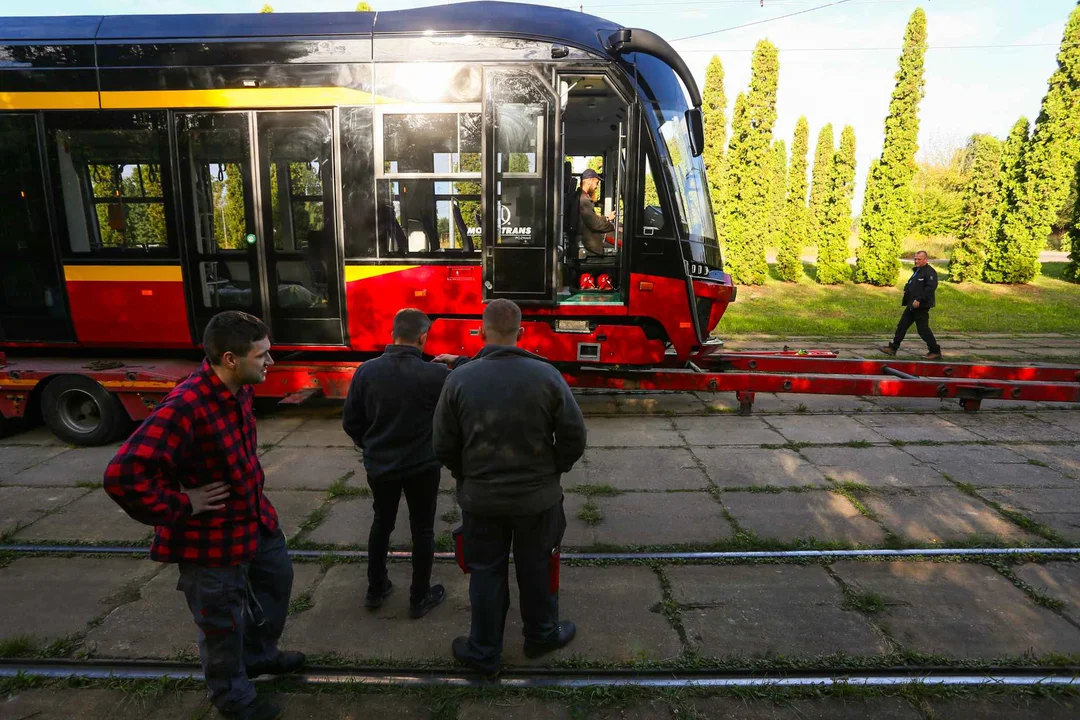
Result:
[594,227]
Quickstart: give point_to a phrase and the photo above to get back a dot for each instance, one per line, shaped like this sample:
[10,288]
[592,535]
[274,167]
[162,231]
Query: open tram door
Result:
[519,233]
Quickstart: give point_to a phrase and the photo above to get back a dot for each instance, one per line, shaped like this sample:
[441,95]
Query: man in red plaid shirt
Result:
[191,470]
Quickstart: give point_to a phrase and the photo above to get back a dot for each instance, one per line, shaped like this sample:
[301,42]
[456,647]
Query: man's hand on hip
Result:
[915,304]
[208,497]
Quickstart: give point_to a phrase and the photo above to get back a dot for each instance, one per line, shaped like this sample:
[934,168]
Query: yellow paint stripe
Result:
[123,273]
[48,101]
[364,272]
[236,98]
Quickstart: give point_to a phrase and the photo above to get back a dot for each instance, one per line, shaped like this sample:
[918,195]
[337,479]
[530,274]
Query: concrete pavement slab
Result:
[826,708]
[1036,500]
[980,465]
[515,708]
[294,506]
[95,517]
[22,506]
[915,405]
[631,432]
[275,428]
[40,436]
[578,533]
[942,516]
[349,523]
[1067,525]
[960,610]
[746,467]
[49,598]
[736,610]
[14,459]
[727,430]
[653,519]
[318,432]
[1065,459]
[832,404]
[330,706]
[912,428]
[1068,419]
[83,704]
[878,467]
[1005,708]
[642,469]
[1013,427]
[660,404]
[295,468]
[823,429]
[80,465]
[1059,580]
[822,515]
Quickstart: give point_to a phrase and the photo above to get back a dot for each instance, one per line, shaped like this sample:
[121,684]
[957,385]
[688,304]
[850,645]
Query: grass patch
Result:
[444,542]
[850,486]
[839,489]
[341,488]
[88,485]
[18,646]
[590,514]
[301,603]
[1048,305]
[1037,463]
[450,516]
[591,491]
[1037,596]
[861,444]
[865,602]
[313,520]
[796,446]
[801,408]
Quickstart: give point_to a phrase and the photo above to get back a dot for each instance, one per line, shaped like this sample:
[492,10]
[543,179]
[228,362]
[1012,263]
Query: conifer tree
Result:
[1072,270]
[887,203]
[796,219]
[1000,252]
[820,182]
[1049,163]
[777,193]
[747,184]
[714,111]
[832,265]
[980,201]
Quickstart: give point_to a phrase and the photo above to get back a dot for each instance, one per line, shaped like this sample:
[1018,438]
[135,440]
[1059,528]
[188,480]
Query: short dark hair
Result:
[502,318]
[232,331]
[409,325]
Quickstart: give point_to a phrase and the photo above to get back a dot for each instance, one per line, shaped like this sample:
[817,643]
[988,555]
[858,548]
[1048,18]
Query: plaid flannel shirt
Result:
[201,433]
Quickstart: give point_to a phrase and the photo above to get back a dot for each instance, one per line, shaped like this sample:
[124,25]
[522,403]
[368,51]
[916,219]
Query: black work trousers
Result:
[921,319]
[421,491]
[487,541]
[240,612]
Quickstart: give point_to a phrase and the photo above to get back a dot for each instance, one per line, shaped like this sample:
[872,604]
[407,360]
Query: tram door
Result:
[519,242]
[32,306]
[257,196]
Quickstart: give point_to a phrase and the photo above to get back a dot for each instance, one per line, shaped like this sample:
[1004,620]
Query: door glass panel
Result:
[215,175]
[31,299]
[520,113]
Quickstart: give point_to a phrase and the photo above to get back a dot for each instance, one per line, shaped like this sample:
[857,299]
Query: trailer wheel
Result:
[80,411]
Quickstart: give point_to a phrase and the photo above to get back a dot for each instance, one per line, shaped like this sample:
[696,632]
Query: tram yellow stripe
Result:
[123,273]
[364,272]
[235,98]
[48,101]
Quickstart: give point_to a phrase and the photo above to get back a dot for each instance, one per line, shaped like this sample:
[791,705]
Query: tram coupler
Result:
[746,401]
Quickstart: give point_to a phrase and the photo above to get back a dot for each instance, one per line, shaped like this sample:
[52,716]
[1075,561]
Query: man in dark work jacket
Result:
[919,297]
[508,427]
[388,414]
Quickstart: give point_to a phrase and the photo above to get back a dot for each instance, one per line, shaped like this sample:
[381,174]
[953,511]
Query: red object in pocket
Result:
[459,549]
[553,571]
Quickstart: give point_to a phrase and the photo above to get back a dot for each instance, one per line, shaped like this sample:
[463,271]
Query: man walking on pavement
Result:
[192,471]
[388,414]
[507,427]
[919,297]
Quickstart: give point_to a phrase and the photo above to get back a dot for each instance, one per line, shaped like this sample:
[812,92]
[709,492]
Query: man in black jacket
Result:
[918,299]
[508,427]
[388,413]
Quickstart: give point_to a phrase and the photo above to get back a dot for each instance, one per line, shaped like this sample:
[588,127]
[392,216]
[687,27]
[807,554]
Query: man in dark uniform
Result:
[388,414]
[594,228]
[918,298]
[508,427]
[192,471]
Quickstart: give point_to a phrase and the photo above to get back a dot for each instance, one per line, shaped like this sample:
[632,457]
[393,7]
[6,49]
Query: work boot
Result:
[260,709]
[932,356]
[567,630]
[434,597]
[375,597]
[887,349]
[283,664]
[460,648]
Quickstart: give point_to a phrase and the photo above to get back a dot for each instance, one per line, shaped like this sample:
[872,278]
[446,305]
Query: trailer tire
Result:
[82,412]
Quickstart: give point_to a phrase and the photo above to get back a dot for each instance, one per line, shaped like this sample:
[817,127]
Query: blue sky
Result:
[836,64]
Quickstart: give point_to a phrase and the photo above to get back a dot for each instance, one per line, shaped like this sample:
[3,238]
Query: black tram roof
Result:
[489,18]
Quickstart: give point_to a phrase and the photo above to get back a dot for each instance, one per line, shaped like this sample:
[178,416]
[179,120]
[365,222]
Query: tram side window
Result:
[114,187]
[652,217]
[428,183]
[357,185]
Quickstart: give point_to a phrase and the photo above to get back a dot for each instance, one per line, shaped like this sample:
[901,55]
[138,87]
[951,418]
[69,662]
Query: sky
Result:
[988,62]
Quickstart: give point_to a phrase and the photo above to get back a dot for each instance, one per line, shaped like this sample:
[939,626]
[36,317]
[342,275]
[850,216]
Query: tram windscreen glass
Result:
[429,189]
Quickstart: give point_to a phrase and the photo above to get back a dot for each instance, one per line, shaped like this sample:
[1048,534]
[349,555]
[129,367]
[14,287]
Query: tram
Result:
[322,171]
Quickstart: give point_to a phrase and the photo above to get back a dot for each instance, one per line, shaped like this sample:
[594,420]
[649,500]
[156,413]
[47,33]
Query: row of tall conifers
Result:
[1014,192]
